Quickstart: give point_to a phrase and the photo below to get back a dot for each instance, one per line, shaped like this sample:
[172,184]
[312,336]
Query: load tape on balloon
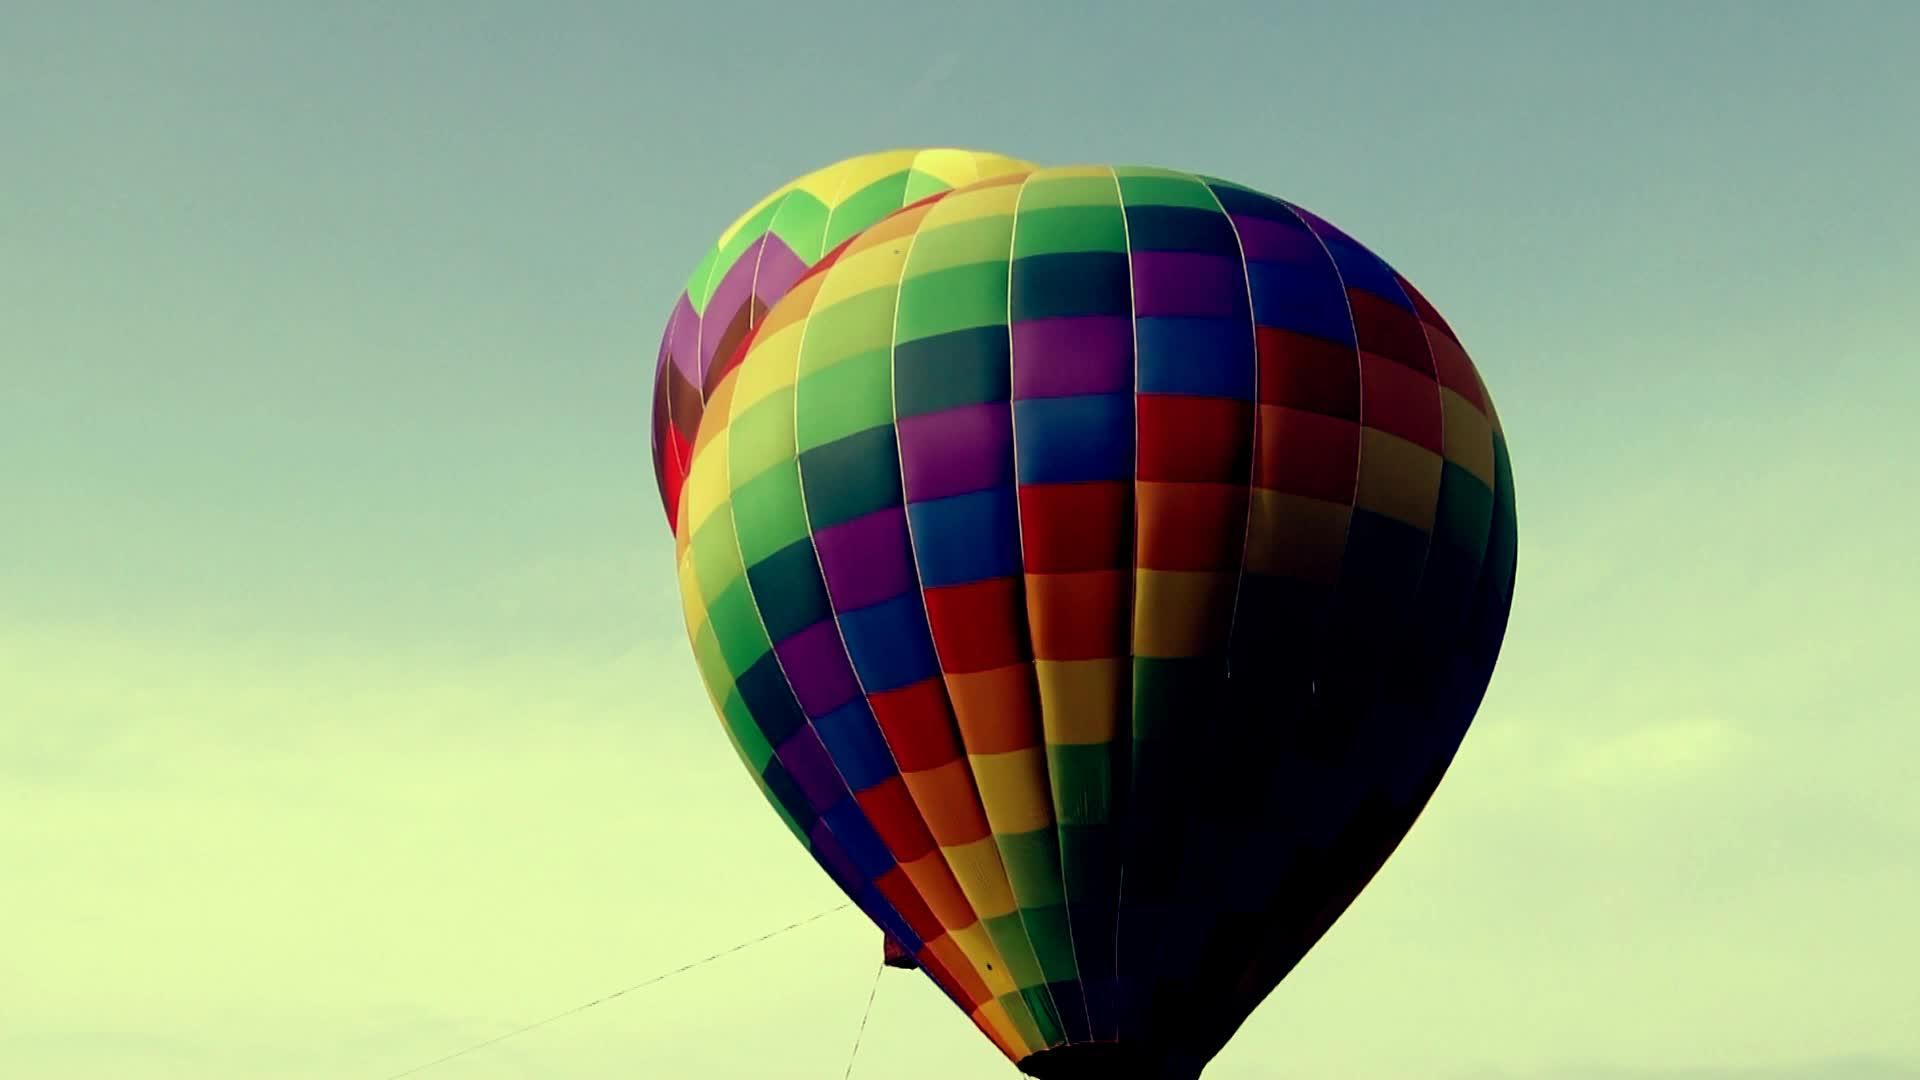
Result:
[1096,568]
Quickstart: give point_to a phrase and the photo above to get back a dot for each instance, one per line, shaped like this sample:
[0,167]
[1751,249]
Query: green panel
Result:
[801,224]
[716,555]
[850,396]
[866,206]
[1033,866]
[1042,192]
[746,734]
[1022,1017]
[851,478]
[960,244]
[769,513]
[1167,190]
[1070,229]
[736,624]
[1501,544]
[1464,516]
[861,323]
[1171,692]
[760,438]
[1009,935]
[1082,782]
[712,664]
[788,590]
[1090,862]
[697,281]
[957,299]
[1045,1015]
[1052,938]
[922,184]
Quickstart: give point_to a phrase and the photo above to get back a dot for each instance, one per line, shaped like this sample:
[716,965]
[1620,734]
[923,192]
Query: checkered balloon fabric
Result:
[1096,568]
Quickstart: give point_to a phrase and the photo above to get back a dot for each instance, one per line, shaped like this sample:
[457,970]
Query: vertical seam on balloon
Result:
[1032,665]
[1253,427]
[807,514]
[1121,843]
[860,683]
[919,590]
[1359,454]
[846,788]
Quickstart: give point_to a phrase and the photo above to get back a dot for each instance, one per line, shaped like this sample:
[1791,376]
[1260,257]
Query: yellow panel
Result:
[1468,436]
[706,485]
[857,173]
[691,606]
[977,867]
[1074,172]
[986,959]
[768,367]
[1180,613]
[1296,537]
[991,1017]
[995,200]
[933,880]
[1083,699]
[1014,790]
[824,183]
[876,268]
[1398,478]
[958,168]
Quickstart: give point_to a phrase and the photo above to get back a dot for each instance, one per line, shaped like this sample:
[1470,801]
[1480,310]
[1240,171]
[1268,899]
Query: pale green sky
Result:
[344,713]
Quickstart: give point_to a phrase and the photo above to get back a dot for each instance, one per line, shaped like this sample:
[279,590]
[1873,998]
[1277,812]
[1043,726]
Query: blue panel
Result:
[1064,440]
[1362,269]
[1304,299]
[1180,228]
[850,827]
[854,742]
[1211,357]
[890,644]
[966,538]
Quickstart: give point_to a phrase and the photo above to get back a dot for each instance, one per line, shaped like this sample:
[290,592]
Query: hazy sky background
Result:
[345,716]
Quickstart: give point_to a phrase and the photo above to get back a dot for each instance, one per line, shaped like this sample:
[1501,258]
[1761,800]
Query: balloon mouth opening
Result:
[1105,1061]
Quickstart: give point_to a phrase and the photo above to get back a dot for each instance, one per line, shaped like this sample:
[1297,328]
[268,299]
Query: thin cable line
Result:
[858,1035]
[682,969]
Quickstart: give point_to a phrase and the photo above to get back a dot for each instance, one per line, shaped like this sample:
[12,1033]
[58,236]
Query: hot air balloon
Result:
[1097,568]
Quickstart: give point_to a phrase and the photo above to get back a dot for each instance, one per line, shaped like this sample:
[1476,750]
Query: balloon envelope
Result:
[1097,569]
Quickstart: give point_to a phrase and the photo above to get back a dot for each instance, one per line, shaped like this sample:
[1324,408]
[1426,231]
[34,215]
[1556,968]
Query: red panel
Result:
[1455,370]
[1082,616]
[1307,373]
[891,811]
[918,725]
[1192,526]
[1398,400]
[1189,438]
[1428,313]
[1304,453]
[899,891]
[1067,527]
[978,626]
[1389,330]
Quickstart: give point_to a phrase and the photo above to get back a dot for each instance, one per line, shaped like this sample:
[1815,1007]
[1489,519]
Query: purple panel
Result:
[1063,357]
[812,768]
[957,450]
[817,668]
[1187,283]
[686,339]
[779,270]
[866,560]
[833,856]
[727,300]
[1265,240]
